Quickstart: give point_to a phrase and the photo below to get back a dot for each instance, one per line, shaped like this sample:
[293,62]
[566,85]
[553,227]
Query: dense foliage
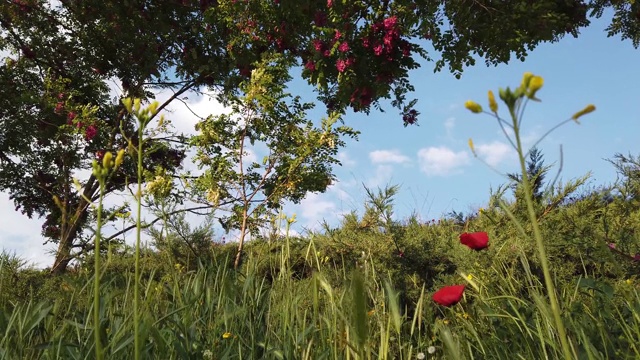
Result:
[295,297]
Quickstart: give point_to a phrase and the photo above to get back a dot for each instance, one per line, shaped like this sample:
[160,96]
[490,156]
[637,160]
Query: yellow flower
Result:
[120,157]
[445,321]
[465,316]
[473,106]
[526,78]
[106,160]
[493,105]
[473,150]
[588,109]
[629,281]
[535,84]
[469,277]
[226,335]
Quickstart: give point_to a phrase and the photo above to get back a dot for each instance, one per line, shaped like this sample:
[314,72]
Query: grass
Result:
[550,285]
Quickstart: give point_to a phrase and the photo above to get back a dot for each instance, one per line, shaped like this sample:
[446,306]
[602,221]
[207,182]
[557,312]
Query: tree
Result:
[299,155]
[536,172]
[56,113]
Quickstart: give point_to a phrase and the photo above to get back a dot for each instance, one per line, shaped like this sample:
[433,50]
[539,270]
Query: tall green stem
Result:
[96,280]
[555,308]
[136,305]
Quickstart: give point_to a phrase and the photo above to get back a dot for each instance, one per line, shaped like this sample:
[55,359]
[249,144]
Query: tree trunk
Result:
[243,231]
[63,254]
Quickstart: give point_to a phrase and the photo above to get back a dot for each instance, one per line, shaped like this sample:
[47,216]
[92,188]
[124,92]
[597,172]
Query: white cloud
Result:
[381,177]
[441,161]
[449,124]
[313,209]
[388,156]
[21,235]
[495,152]
[345,159]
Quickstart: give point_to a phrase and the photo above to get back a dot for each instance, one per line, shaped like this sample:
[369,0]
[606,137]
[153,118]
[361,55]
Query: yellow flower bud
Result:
[493,105]
[127,104]
[473,106]
[136,105]
[473,149]
[120,157]
[588,109]
[106,160]
[226,335]
[153,107]
[535,84]
[526,78]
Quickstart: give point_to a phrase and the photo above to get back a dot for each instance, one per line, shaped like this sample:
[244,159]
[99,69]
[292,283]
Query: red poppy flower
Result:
[448,295]
[476,241]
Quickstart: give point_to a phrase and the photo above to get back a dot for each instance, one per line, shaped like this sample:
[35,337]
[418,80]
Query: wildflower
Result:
[526,78]
[445,321]
[341,65]
[59,107]
[535,84]
[611,246]
[71,115]
[589,108]
[226,335]
[420,356]
[90,132]
[344,47]
[469,277]
[207,354]
[448,295]
[493,105]
[119,158]
[106,160]
[431,349]
[473,106]
[473,150]
[476,241]
[310,65]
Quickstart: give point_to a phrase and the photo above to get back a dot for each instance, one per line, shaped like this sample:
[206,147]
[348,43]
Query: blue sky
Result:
[432,162]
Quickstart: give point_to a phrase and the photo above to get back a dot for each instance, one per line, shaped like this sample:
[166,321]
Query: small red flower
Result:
[344,47]
[310,65]
[99,154]
[476,241]
[59,107]
[90,132]
[448,295]
[341,65]
[71,115]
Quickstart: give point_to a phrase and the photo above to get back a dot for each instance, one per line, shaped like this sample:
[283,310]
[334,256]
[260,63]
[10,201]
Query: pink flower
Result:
[59,107]
[338,35]
[329,3]
[344,47]
[341,65]
[318,45]
[611,246]
[71,115]
[390,22]
[377,49]
[310,65]
[448,295]
[90,132]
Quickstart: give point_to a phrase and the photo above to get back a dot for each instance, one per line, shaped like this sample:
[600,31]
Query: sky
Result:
[432,163]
